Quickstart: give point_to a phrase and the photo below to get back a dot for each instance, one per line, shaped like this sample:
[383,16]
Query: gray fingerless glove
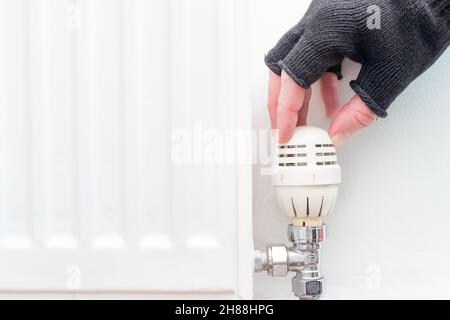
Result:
[412,35]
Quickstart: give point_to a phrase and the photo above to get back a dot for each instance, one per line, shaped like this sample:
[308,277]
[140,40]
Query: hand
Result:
[408,39]
[289,106]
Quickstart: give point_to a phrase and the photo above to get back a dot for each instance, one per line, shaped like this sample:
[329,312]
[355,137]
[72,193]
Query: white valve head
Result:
[307,176]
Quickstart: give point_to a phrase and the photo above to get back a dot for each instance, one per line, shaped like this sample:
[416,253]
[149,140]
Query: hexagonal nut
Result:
[278,261]
[307,289]
[260,261]
[279,270]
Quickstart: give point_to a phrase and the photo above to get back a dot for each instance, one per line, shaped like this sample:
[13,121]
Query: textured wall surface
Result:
[390,224]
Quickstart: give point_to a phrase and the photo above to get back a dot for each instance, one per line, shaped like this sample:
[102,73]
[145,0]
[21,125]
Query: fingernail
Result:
[339,139]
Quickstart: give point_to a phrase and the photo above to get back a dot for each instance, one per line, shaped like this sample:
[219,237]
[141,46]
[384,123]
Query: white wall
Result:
[389,231]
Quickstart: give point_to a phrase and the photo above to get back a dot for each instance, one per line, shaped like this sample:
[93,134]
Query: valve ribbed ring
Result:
[307,234]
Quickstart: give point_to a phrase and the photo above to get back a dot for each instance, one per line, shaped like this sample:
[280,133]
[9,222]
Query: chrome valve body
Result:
[303,258]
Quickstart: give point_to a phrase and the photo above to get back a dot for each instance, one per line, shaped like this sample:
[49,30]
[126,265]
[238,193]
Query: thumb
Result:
[353,117]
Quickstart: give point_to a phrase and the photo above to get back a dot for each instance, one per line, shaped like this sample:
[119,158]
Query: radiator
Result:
[91,92]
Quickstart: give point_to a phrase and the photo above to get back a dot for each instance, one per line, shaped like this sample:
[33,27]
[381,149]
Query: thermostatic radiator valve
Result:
[306,178]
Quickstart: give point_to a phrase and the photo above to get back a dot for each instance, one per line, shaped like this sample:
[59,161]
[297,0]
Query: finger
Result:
[274,92]
[329,90]
[352,118]
[290,102]
[303,113]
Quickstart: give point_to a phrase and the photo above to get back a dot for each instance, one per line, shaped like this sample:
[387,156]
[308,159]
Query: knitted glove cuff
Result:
[273,66]
[368,100]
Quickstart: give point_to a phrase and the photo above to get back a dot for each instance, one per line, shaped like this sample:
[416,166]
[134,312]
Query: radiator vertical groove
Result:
[181,109]
[148,121]
[15,161]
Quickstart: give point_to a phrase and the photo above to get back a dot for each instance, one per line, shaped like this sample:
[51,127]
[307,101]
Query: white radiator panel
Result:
[91,91]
